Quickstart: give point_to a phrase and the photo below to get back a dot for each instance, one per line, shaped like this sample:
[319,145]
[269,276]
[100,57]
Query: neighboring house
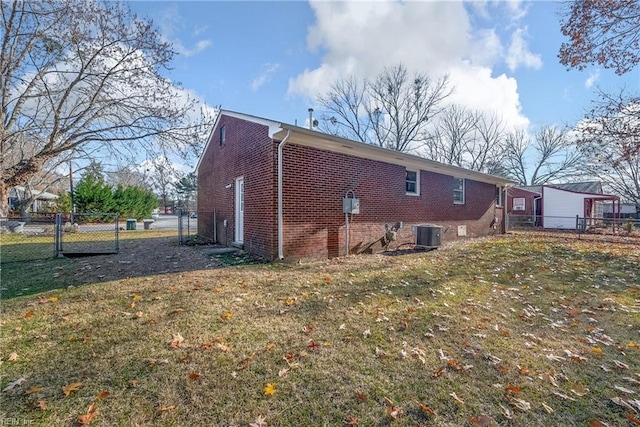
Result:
[43,200]
[277,190]
[558,205]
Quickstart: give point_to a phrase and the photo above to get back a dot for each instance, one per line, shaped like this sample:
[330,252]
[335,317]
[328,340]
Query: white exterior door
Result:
[239,231]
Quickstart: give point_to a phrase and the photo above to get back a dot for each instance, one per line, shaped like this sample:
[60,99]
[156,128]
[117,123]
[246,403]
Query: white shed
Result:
[561,207]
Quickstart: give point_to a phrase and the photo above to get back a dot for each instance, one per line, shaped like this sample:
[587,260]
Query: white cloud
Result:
[361,38]
[518,53]
[267,71]
[170,22]
[593,78]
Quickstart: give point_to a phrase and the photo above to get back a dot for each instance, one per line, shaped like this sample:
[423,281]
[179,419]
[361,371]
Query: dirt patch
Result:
[143,257]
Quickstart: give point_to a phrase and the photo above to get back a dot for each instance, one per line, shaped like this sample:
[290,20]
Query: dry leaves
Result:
[68,389]
[260,421]
[88,417]
[177,341]
[269,389]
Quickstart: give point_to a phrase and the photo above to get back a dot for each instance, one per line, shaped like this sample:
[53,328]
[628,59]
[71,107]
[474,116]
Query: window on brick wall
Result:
[518,203]
[412,183]
[458,191]
[498,195]
[223,135]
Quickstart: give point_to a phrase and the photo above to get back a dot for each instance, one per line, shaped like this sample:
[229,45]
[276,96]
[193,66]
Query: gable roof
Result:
[40,195]
[591,187]
[323,141]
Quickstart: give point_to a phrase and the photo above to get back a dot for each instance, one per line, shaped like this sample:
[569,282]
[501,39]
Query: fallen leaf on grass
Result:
[597,423]
[29,314]
[260,421]
[176,341]
[481,420]
[514,389]
[194,376]
[424,408]
[579,390]
[562,395]
[13,357]
[361,396]
[34,389]
[439,372]
[508,413]
[624,390]
[596,350]
[394,412]
[547,408]
[269,389]
[88,417]
[166,409]
[70,388]
[226,316]
[134,383]
[456,398]
[42,404]
[520,404]
[620,365]
[352,421]
[270,346]
[633,419]
[103,395]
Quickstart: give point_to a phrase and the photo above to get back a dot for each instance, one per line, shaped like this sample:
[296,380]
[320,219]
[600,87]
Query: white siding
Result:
[560,208]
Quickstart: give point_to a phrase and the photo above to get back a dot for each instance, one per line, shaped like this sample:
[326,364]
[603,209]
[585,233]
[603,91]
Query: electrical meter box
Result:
[351,205]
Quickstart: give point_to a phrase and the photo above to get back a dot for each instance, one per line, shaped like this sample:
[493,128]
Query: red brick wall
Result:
[528,203]
[315,181]
[247,152]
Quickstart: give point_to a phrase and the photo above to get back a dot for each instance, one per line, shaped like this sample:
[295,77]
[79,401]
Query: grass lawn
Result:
[521,330]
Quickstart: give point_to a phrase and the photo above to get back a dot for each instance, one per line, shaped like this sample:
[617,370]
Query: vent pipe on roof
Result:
[310,118]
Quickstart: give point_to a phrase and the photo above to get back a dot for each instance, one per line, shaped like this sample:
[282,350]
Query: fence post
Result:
[179,211]
[56,235]
[117,232]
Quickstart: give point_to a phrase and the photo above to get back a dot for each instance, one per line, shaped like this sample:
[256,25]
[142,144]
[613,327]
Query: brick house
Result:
[277,190]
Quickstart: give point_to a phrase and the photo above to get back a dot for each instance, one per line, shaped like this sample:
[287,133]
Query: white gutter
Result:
[280,222]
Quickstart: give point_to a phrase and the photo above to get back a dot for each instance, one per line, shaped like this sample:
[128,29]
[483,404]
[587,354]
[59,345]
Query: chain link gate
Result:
[84,234]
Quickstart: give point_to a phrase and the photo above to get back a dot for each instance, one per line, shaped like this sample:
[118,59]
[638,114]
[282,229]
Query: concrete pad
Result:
[219,251]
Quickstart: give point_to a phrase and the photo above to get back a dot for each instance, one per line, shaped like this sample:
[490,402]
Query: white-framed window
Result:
[498,195]
[518,203]
[458,191]
[412,183]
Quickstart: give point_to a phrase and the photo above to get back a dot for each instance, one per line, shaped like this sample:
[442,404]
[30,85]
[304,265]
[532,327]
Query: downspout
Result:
[280,215]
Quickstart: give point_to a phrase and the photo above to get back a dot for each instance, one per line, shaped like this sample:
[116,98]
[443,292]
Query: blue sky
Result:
[271,59]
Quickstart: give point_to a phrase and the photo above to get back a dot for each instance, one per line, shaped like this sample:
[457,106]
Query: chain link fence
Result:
[201,227]
[27,238]
[41,236]
[577,224]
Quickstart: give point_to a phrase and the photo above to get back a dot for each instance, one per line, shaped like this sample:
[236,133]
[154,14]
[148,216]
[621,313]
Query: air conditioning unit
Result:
[428,236]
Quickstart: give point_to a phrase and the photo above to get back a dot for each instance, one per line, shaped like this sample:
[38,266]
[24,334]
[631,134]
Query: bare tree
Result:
[604,143]
[551,156]
[466,138]
[602,32]
[86,75]
[391,110]
[162,176]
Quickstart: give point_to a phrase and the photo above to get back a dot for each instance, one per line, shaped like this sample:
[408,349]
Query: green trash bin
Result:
[131,224]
